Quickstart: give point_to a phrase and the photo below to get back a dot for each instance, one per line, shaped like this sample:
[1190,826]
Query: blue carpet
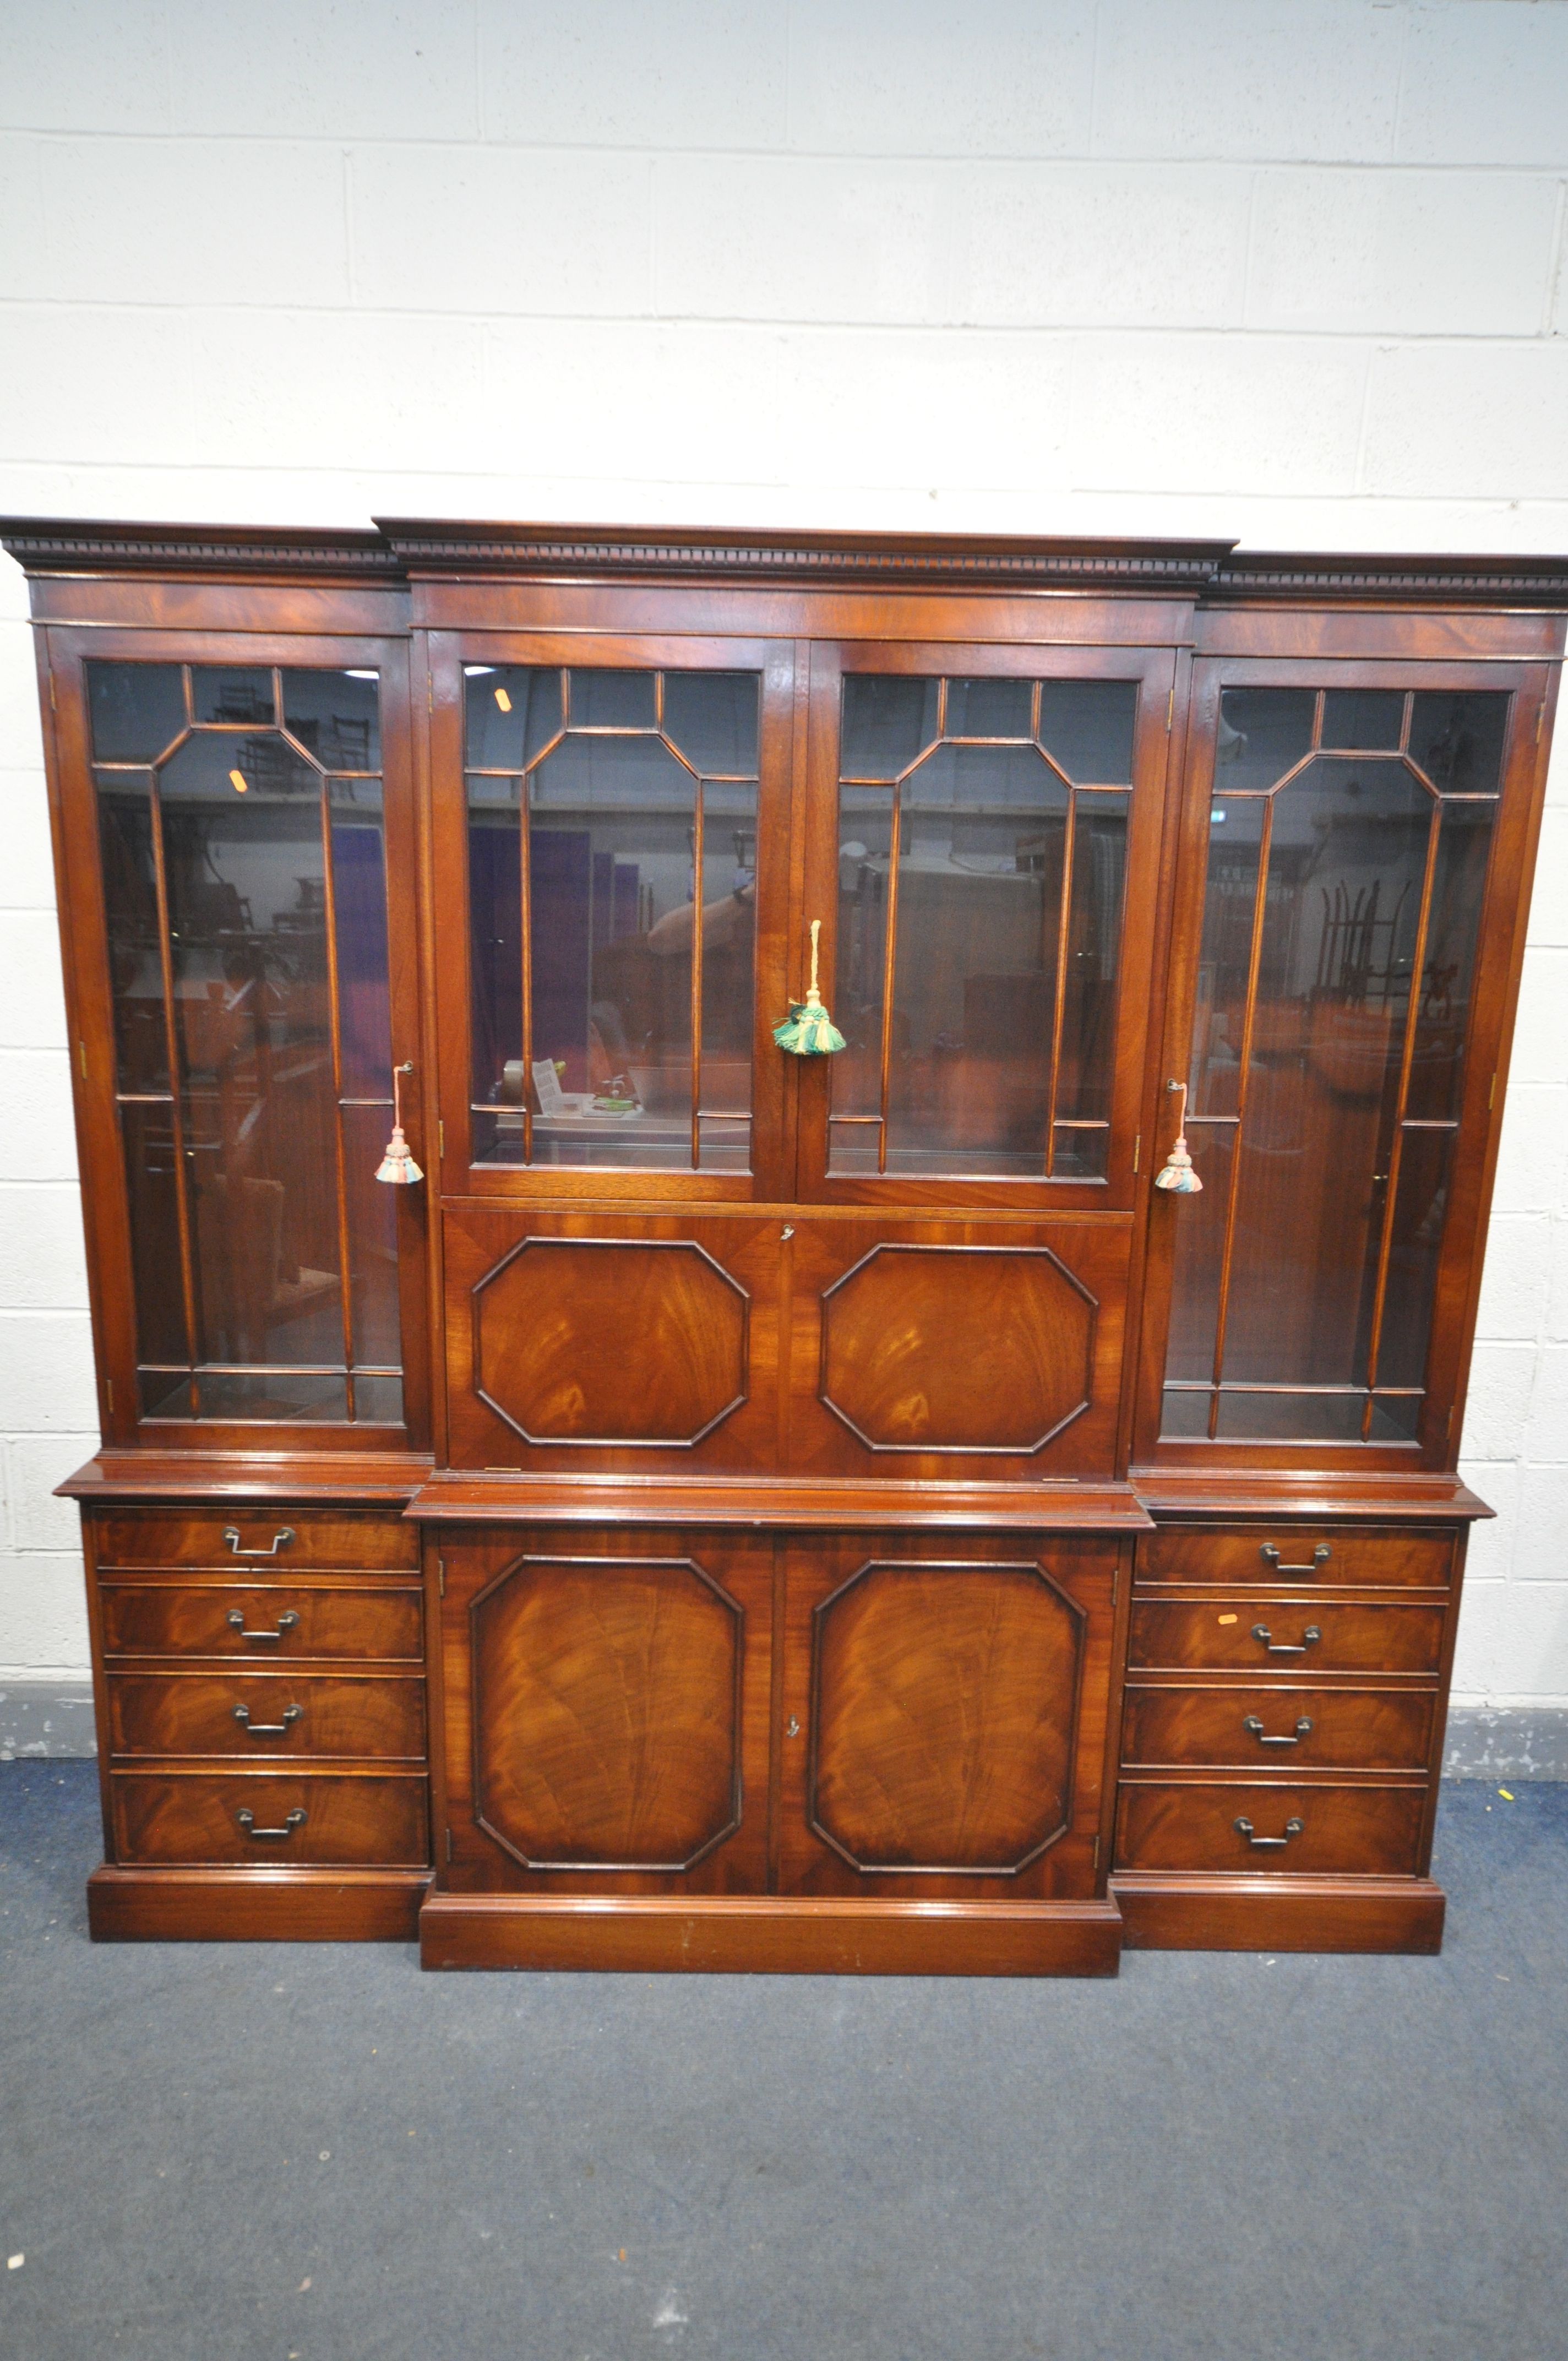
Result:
[250,2153]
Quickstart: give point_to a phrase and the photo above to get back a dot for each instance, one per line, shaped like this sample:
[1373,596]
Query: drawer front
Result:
[1223,1634]
[1293,1555]
[263,1715]
[275,1623]
[1281,1729]
[195,1821]
[274,1541]
[1356,1831]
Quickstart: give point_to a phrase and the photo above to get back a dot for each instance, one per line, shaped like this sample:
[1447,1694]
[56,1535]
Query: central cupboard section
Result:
[668,1244]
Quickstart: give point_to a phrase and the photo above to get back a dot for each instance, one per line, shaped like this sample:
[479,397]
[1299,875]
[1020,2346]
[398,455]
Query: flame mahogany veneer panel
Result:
[1360,1831]
[1351,1730]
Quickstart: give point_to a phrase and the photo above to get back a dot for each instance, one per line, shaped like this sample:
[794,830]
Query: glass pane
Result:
[712,718]
[1184,1415]
[989,708]
[1262,731]
[273,1395]
[865,849]
[1081,1153]
[1363,718]
[1457,739]
[1086,727]
[1290,1418]
[1465,844]
[511,715]
[379,1401]
[150,1163]
[336,717]
[1224,961]
[979,890]
[614,700]
[359,898]
[130,899]
[220,766]
[728,929]
[1199,1250]
[887,722]
[372,1210]
[163,1393]
[1093,947]
[1420,1205]
[137,711]
[231,694]
[494,933]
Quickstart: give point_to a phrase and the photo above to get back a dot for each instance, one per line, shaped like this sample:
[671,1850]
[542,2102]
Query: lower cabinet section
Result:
[194,1818]
[901,1723]
[1272,1827]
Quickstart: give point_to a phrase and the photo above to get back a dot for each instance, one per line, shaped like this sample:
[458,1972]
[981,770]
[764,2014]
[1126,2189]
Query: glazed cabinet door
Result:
[983,860]
[605,1701]
[611,821]
[1356,842]
[947,1702]
[238,880]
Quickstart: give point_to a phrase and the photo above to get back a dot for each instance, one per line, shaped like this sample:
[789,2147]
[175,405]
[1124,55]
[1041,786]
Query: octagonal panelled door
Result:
[606,1700]
[945,1705]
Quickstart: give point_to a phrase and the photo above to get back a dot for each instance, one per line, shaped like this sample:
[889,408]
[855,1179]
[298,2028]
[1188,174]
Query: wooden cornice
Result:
[402,550]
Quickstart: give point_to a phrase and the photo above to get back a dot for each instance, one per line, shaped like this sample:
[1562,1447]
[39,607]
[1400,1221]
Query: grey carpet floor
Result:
[243,2153]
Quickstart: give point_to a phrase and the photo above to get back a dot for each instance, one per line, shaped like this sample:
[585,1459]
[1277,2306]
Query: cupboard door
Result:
[582,1342]
[1354,850]
[606,1710]
[620,846]
[238,811]
[983,857]
[946,1705]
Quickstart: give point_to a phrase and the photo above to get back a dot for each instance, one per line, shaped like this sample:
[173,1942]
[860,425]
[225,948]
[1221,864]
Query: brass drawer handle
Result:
[1293,1828]
[296,1820]
[1254,1728]
[286,1622]
[281,1728]
[1321,1556]
[1310,1639]
[281,1541]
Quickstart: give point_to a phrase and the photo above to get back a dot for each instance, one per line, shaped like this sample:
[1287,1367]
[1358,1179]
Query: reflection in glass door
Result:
[241,831]
[1349,837]
[613,850]
[982,853]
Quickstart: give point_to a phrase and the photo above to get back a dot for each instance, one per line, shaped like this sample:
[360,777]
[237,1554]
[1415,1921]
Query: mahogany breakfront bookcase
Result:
[747,1512]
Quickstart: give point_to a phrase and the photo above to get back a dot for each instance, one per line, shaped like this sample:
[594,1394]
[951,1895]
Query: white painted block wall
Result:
[1291,271]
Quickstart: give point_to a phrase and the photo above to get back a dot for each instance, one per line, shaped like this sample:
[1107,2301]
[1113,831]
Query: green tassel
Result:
[808,1031]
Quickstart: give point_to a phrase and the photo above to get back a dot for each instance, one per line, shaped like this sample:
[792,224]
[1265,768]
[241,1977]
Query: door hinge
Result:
[1492,1095]
[109,1394]
[441,1575]
[1096,1856]
[82,1054]
[52,707]
[1137,1150]
[448,1848]
[441,1139]
[428,694]
[1169,711]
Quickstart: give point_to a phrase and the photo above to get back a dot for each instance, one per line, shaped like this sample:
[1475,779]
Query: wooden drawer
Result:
[1325,1554]
[285,1714]
[1236,1728]
[194,1820]
[323,1620]
[1219,1633]
[1359,1831]
[325,1538]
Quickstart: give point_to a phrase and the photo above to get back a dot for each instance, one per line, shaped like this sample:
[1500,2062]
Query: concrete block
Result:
[366,392]
[1492,1539]
[1546,1432]
[1163,414]
[1474,421]
[1532,1157]
[921,78]
[1557,1291]
[1540,1038]
[32,994]
[35,1464]
[1540,1546]
[620,73]
[404,71]
[1557,760]
[801,238]
[43,1264]
[1247,78]
[21,727]
[1517,1277]
[46,1375]
[78,66]
[1483,1637]
[1484,86]
[24,252]
[1533,1653]
[26,880]
[1549,896]
[43,1612]
[1400,253]
[100,385]
[1501,1377]
[1102,245]
[196,221]
[498,230]
[40,1129]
